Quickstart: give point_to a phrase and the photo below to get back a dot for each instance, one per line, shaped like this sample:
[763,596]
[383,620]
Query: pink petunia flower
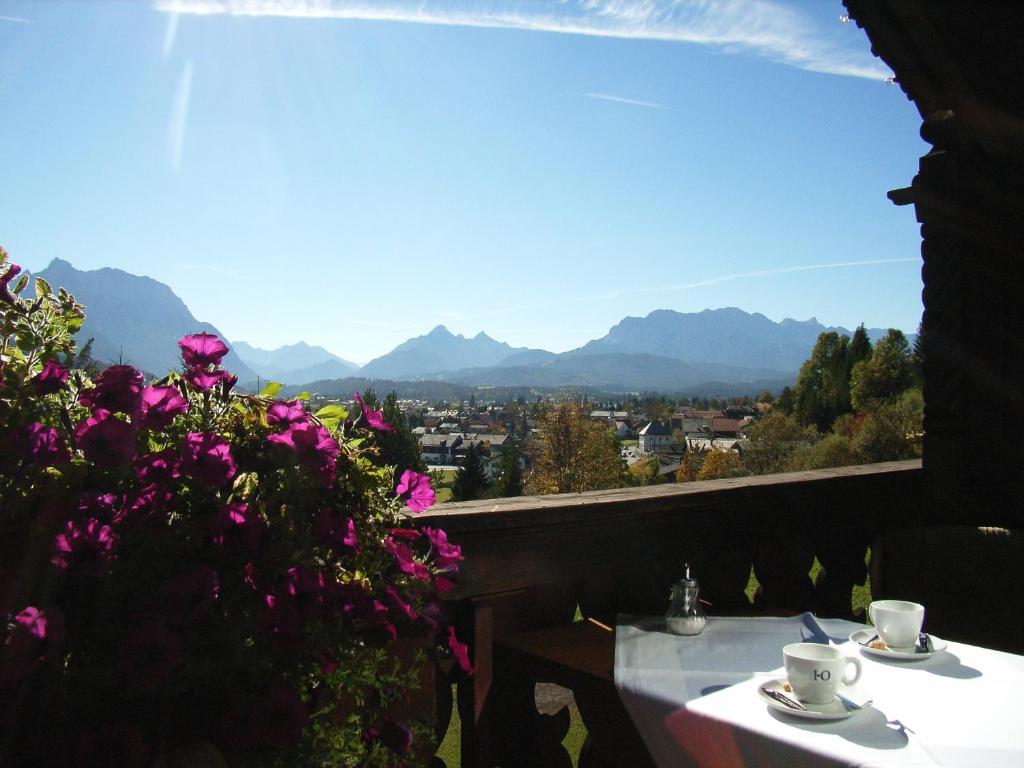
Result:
[460,651]
[446,556]
[53,378]
[86,547]
[206,457]
[118,388]
[416,490]
[202,349]
[237,524]
[204,380]
[160,405]
[36,635]
[406,560]
[10,271]
[39,444]
[158,467]
[313,446]
[338,532]
[374,418]
[287,413]
[105,440]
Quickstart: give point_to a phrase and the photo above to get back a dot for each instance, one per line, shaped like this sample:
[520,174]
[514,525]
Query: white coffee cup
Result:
[897,622]
[815,671]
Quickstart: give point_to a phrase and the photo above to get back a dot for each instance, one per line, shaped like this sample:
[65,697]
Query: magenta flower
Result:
[403,608]
[105,440]
[405,559]
[190,596]
[118,743]
[35,636]
[460,651]
[148,655]
[158,467]
[53,378]
[313,446]
[160,405]
[374,418]
[446,556]
[100,505]
[39,444]
[118,388]
[206,457]
[202,349]
[204,380]
[12,271]
[154,499]
[237,525]
[338,532]
[287,413]
[86,547]
[416,490]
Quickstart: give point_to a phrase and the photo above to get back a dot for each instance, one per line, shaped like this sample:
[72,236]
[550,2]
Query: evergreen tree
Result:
[470,480]
[860,345]
[511,481]
[823,385]
[399,448]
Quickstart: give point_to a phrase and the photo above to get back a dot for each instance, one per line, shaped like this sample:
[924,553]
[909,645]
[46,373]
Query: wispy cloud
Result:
[15,19]
[624,100]
[170,34]
[179,116]
[766,28]
[728,278]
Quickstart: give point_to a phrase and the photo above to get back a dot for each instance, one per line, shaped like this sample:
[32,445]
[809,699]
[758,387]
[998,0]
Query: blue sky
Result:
[353,173]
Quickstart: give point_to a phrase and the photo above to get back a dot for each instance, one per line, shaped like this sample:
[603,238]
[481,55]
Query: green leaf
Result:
[20,285]
[43,288]
[331,416]
[303,396]
[271,389]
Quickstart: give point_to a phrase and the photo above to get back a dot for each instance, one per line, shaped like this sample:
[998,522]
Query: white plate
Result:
[834,710]
[862,636]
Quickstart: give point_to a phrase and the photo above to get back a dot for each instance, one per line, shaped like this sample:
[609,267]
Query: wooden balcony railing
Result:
[530,561]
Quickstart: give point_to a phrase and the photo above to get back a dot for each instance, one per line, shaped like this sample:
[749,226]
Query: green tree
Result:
[645,472]
[885,375]
[573,453]
[834,450]
[773,439]
[766,397]
[470,480]
[786,402]
[860,345]
[823,384]
[399,447]
[510,482]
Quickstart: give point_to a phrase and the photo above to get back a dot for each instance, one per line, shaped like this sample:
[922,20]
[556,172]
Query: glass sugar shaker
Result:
[685,616]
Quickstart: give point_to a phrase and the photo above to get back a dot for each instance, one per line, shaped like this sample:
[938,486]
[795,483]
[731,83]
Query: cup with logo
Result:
[816,671]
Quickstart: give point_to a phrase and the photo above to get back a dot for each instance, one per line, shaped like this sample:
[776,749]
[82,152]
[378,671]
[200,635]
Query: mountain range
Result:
[139,320]
[294,363]
[133,319]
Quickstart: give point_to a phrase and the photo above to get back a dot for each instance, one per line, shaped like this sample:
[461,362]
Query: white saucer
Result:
[862,636]
[834,710]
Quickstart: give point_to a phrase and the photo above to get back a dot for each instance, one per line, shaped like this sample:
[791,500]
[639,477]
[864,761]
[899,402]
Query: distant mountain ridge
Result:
[294,363]
[133,319]
[139,320]
[440,351]
[727,336]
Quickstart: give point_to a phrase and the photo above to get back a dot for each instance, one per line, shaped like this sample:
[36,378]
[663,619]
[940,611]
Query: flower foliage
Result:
[186,567]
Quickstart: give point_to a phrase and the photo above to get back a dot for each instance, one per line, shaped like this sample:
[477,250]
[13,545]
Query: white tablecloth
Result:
[694,701]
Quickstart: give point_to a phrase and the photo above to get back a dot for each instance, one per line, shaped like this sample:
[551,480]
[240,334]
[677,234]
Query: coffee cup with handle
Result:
[816,671]
[897,622]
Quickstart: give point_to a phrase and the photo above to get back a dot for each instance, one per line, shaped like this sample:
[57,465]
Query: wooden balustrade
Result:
[530,561]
